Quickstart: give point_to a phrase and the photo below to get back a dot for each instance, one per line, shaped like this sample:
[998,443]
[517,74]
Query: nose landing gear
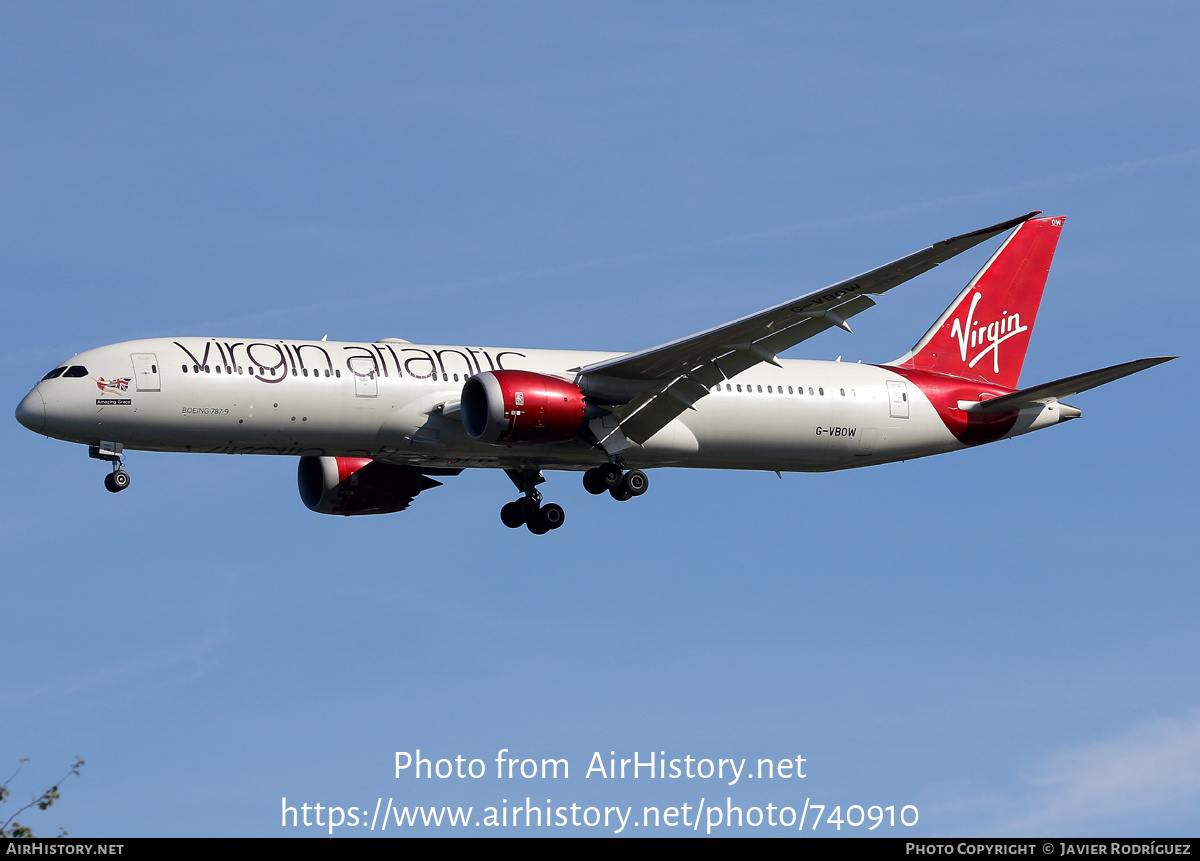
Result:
[118,479]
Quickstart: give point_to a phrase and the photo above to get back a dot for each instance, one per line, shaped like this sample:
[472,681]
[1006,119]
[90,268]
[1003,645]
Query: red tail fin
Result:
[983,335]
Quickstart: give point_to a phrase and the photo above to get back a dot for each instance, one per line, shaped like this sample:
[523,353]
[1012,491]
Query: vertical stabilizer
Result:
[984,333]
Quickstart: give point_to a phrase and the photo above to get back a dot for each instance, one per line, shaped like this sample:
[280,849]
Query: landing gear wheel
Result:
[552,514]
[635,482]
[620,494]
[593,481]
[611,475]
[538,525]
[116,481]
[528,508]
[511,514]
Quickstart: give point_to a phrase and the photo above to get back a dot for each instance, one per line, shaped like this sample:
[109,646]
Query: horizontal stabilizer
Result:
[1059,389]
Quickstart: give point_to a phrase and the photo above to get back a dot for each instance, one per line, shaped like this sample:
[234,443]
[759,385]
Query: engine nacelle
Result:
[521,408]
[358,485]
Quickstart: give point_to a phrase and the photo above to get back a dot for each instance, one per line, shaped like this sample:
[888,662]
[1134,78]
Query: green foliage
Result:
[12,828]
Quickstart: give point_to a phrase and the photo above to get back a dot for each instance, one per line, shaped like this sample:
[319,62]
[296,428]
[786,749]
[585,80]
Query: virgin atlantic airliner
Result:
[374,424]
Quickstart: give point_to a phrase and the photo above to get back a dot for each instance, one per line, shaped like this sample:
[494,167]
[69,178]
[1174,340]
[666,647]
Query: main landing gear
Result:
[118,479]
[528,511]
[619,485]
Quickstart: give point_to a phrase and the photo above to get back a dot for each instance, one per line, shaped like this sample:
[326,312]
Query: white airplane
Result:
[372,423]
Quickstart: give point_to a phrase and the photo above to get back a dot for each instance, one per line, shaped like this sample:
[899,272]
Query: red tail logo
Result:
[993,334]
[998,307]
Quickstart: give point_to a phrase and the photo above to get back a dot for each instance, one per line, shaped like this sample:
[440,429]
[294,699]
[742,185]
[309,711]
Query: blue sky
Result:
[1004,638]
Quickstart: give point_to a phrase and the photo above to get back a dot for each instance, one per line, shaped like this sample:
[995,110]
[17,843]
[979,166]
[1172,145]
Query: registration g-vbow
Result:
[373,424]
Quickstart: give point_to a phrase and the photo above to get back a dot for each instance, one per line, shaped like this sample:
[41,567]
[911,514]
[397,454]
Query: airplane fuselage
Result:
[397,401]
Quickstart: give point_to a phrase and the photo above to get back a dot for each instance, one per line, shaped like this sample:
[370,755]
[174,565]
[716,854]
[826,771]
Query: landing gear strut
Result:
[620,485]
[528,511]
[114,452]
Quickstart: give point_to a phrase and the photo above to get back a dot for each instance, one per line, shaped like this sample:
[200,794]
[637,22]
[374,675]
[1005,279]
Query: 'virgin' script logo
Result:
[987,338]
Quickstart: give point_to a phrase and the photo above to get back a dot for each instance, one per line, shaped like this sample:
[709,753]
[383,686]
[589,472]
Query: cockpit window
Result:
[76,371]
[57,372]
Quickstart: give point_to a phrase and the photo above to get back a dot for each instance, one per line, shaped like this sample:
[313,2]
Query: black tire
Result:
[538,525]
[635,482]
[553,515]
[593,481]
[110,485]
[120,479]
[612,475]
[528,508]
[511,514]
[620,494]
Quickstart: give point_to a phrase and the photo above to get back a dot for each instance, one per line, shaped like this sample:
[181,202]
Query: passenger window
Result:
[306,372]
[739,387]
[789,390]
[821,392]
[337,374]
[760,390]
[810,391]
[327,372]
[843,391]
[185,369]
[153,369]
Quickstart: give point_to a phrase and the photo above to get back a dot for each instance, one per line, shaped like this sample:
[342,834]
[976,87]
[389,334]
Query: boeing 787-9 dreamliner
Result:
[374,424]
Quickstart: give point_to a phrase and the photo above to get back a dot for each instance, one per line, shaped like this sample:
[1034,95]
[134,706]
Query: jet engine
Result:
[358,485]
[521,407]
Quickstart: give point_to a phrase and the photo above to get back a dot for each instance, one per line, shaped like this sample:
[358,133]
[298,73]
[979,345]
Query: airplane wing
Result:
[1059,389]
[654,386]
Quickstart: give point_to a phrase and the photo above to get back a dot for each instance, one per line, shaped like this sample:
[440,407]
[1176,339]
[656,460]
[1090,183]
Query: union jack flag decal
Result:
[117,385]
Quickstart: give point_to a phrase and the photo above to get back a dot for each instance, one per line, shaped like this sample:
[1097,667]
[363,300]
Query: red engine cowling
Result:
[358,485]
[521,407]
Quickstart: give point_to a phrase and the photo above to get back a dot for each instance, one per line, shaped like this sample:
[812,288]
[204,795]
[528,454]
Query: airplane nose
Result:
[31,412]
